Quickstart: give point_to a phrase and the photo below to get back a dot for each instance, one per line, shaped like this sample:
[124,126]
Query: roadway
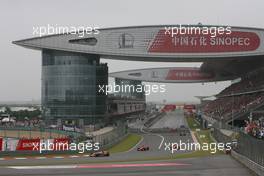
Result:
[171,120]
[221,165]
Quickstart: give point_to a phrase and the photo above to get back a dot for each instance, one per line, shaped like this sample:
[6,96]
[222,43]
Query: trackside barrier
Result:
[220,137]
[105,140]
[112,137]
[154,119]
[25,147]
[27,132]
[116,141]
[258,169]
[1,144]
[17,145]
[248,151]
[246,145]
[251,147]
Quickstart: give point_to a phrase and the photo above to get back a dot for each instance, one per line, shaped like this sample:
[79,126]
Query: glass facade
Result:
[130,88]
[70,83]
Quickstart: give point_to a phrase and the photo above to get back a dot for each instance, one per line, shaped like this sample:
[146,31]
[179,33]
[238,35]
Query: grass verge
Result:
[126,144]
[203,137]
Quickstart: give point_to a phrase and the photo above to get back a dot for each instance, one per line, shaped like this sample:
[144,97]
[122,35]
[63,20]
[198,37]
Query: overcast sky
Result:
[20,68]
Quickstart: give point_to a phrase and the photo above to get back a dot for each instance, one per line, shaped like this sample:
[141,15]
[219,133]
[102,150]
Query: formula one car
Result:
[100,154]
[175,147]
[182,134]
[143,148]
[227,151]
[182,126]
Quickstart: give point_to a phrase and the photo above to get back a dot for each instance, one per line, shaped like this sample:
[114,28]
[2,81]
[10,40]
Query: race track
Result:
[171,120]
[131,162]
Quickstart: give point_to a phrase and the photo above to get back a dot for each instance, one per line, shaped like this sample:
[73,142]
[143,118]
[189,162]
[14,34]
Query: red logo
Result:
[237,41]
[188,74]
[28,144]
[1,144]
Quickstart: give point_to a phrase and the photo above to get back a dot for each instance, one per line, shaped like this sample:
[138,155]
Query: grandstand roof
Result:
[227,55]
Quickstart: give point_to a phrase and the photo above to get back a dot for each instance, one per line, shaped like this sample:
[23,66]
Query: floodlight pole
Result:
[233,109]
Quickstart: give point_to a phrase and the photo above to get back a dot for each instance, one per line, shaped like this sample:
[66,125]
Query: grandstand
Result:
[240,101]
[253,81]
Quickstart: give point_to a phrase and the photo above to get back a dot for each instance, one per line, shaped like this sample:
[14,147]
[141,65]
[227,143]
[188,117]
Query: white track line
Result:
[74,156]
[58,157]
[41,157]
[194,137]
[20,158]
[162,138]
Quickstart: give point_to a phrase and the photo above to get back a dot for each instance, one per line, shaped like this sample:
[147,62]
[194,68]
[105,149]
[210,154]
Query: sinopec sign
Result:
[236,41]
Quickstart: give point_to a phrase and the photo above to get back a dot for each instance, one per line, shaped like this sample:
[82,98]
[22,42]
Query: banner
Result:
[189,107]
[10,144]
[1,144]
[188,74]
[167,108]
[237,41]
[61,144]
[28,144]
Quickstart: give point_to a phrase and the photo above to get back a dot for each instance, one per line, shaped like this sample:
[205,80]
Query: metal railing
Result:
[247,145]
[111,138]
[251,147]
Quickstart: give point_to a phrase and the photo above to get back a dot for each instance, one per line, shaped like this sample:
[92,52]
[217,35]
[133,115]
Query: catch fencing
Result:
[112,137]
[30,133]
[251,147]
[246,145]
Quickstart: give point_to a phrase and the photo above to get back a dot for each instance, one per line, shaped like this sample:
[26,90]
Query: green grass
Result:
[192,123]
[130,141]
[203,136]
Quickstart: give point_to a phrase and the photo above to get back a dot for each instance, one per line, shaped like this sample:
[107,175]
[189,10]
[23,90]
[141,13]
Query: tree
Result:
[8,110]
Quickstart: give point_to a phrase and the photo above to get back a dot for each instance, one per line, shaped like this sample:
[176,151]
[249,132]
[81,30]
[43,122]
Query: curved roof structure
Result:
[171,75]
[234,51]
[154,43]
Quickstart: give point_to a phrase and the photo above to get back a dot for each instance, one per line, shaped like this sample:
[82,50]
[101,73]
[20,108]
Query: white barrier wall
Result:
[13,144]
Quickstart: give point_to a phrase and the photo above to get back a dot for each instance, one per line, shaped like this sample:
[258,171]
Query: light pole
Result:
[233,101]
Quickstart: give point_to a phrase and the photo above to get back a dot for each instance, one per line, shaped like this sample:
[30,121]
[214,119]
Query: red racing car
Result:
[143,148]
[100,154]
[174,147]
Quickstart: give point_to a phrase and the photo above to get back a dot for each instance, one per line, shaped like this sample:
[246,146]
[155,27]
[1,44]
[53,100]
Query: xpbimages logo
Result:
[147,89]
[56,29]
[51,146]
[213,31]
[195,146]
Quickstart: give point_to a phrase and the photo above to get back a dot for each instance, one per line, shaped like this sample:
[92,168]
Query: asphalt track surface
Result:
[126,163]
[171,120]
[151,140]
